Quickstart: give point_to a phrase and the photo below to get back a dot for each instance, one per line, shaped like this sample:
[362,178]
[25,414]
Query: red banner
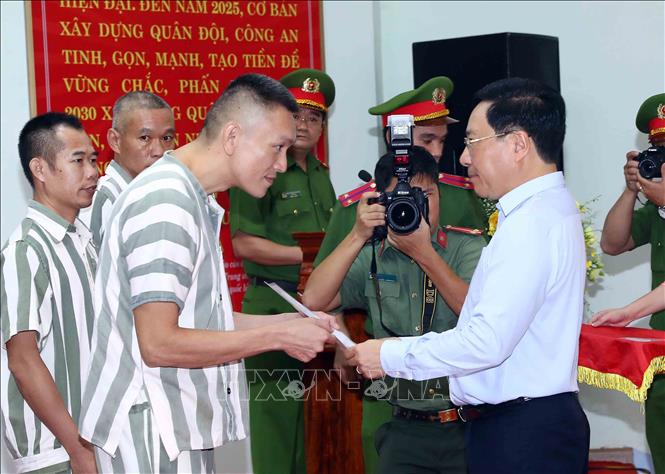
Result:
[86,54]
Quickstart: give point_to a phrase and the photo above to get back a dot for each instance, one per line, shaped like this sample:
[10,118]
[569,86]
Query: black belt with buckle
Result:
[289,286]
[473,412]
[443,416]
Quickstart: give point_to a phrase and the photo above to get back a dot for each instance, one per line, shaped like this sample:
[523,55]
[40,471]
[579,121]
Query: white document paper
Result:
[301,308]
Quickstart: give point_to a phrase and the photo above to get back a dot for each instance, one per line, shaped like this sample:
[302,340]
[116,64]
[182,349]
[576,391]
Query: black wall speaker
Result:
[474,61]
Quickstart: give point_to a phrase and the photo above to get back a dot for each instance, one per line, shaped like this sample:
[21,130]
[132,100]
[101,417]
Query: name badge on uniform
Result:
[384,277]
[291,194]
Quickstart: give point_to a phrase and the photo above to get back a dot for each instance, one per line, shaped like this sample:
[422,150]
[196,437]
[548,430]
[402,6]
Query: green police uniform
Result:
[458,206]
[298,201]
[440,446]
[648,227]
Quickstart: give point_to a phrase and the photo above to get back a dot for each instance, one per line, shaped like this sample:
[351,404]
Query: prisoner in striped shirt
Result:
[142,129]
[48,267]
[165,383]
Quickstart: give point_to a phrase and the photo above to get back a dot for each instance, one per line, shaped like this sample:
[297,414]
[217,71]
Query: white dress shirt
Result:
[518,331]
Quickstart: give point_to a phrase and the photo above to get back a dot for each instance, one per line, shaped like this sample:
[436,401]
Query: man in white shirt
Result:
[512,359]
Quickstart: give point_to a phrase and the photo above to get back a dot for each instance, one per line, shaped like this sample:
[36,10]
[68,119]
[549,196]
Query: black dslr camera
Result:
[650,161]
[405,205]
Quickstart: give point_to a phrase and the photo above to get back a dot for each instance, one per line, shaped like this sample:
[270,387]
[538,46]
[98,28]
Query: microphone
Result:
[365,176]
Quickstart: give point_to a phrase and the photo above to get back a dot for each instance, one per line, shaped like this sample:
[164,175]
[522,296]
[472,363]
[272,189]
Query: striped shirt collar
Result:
[56,225]
[118,173]
[513,199]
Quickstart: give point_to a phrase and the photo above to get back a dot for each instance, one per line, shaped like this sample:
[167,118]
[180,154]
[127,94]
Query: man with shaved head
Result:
[165,382]
[141,131]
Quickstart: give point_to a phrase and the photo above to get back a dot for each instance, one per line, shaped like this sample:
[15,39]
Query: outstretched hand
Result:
[366,357]
[304,338]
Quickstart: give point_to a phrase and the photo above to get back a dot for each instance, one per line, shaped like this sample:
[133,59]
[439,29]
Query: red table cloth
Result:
[624,359]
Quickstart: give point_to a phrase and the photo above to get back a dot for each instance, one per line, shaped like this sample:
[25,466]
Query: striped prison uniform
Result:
[48,266]
[161,245]
[109,187]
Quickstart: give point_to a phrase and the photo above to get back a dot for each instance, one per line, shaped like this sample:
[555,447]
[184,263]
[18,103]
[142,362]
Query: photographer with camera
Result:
[626,228]
[458,204]
[411,281]
[458,207]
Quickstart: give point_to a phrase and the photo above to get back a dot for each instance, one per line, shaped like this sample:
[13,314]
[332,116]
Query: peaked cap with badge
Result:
[311,88]
[651,117]
[427,102]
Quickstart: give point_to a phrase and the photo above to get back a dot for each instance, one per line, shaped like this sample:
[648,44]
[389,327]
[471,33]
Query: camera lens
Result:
[648,168]
[403,216]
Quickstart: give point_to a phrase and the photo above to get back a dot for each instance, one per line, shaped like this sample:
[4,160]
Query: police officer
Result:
[459,207]
[417,284]
[299,200]
[626,229]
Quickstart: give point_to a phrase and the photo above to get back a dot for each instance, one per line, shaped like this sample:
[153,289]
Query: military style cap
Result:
[651,116]
[311,88]
[427,102]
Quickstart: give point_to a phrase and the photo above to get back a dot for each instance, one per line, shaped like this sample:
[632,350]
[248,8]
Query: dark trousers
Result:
[420,447]
[542,435]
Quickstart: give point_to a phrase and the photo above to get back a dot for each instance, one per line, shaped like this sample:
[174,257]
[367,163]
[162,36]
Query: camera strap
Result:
[372,276]
[429,303]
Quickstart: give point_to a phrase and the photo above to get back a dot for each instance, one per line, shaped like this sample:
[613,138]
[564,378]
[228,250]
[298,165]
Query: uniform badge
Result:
[291,194]
[310,85]
[439,96]
[660,111]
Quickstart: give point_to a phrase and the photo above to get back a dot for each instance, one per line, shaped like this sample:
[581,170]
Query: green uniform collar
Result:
[311,160]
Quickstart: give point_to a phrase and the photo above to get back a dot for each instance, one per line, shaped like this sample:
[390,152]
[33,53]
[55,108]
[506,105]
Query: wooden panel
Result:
[333,412]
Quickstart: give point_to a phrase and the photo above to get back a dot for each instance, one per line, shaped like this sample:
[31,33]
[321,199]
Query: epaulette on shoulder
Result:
[454,180]
[353,196]
[442,238]
[464,230]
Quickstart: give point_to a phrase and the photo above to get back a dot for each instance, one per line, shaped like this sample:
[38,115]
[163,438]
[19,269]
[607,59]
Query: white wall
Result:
[611,59]
[15,112]
[350,61]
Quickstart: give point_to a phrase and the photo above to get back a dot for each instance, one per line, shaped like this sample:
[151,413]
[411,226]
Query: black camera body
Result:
[405,205]
[650,161]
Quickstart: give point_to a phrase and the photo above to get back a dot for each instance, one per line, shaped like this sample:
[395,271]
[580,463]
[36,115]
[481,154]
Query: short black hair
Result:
[529,105]
[248,89]
[37,138]
[421,161]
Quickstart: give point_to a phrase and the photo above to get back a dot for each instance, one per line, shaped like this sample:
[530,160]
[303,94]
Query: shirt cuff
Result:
[393,357]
